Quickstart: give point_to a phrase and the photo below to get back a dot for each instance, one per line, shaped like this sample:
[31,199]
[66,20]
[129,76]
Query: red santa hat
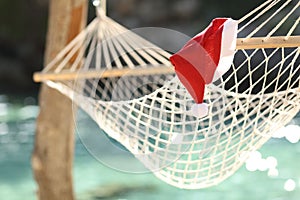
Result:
[205,58]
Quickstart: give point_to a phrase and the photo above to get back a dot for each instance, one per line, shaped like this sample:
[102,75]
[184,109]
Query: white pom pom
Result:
[200,110]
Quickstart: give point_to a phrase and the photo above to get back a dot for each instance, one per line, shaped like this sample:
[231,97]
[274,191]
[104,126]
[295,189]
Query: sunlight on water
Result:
[3,128]
[28,112]
[3,109]
[290,132]
[256,162]
[290,185]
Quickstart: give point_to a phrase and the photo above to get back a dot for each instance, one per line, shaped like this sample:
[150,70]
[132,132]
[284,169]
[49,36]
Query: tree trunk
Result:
[54,140]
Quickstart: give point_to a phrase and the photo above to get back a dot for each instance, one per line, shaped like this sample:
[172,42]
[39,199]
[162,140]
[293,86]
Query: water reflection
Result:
[256,162]
[290,185]
[3,109]
[28,112]
[3,128]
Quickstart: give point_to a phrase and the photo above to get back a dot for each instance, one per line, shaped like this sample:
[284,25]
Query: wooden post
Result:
[54,140]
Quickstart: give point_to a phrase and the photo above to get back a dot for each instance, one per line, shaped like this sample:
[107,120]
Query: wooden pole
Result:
[89,74]
[271,42]
[54,140]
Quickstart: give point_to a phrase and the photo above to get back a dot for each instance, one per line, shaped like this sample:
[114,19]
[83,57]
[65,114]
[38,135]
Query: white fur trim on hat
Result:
[228,45]
[200,110]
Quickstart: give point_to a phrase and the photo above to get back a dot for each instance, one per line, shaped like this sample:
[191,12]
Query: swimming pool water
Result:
[92,178]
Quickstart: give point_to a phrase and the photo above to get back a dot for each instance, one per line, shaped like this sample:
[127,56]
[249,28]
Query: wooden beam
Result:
[272,42]
[242,43]
[66,75]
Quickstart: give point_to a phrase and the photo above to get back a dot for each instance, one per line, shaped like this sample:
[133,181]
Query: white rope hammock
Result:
[127,85]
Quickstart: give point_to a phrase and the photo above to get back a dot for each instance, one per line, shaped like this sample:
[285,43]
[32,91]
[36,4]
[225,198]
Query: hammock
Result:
[128,86]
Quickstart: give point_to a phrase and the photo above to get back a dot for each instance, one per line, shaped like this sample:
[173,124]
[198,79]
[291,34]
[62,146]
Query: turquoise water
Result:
[92,178]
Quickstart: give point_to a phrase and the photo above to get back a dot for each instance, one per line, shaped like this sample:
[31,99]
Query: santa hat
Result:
[205,58]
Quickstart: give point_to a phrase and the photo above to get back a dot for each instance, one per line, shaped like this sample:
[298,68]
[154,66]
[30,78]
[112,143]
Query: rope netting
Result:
[127,85]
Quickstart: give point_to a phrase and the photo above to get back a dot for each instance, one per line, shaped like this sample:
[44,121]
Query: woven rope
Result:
[148,114]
